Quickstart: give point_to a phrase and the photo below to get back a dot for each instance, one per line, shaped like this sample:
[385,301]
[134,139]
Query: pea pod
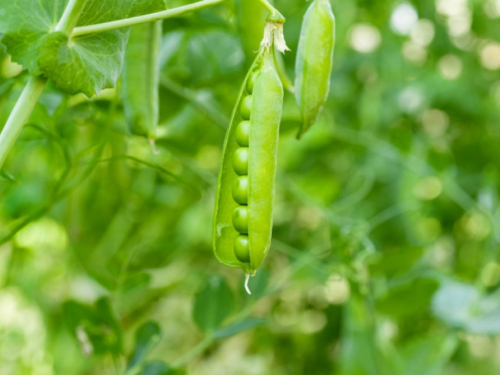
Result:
[314,62]
[244,203]
[140,79]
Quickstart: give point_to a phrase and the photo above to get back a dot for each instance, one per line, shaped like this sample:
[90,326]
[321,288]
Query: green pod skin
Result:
[314,62]
[266,109]
[141,77]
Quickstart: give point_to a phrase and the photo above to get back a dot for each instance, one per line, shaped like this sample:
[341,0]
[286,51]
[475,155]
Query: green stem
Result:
[194,352]
[70,16]
[32,91]
[133,21]
[20,115]
[275,15]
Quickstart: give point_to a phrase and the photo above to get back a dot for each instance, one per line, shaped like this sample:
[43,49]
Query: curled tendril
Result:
[247,279]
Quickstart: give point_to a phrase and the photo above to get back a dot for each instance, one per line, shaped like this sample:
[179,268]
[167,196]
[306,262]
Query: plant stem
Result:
[19,115]
[275,15]
[32,91]
[194,352]
[119,24]
[70,16]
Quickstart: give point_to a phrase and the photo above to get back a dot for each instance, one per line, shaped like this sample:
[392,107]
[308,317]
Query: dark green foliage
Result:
[212,304]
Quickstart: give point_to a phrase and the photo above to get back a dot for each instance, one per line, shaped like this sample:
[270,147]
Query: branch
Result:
[19,115]
[133,21]
[32,91]
[70,16]
[275,15]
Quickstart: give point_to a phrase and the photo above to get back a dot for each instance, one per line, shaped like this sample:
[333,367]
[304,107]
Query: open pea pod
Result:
[314,62]
[244,203]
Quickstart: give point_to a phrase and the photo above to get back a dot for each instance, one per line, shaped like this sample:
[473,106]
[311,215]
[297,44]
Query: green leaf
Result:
[460,305]
[408,299]
[156,368]
[96,327]
[238,327]
[75,313]
[110,339]
[6,176]
[136,281]
[394,262]
[160,368]
[359,353]
[87,64]
[24,23]
[428,355]
[146,338]
[212,304]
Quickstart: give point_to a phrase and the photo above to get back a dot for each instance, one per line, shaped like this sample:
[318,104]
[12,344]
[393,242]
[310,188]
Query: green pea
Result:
[314,62]
[140,79]
[246,107]
[240,190]
[242,249]
[251,82]
[240,219]
[240,161]
[243,133]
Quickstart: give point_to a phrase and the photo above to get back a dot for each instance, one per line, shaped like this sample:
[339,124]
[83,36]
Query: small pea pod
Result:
[314,62]
[140,79]
[245,192]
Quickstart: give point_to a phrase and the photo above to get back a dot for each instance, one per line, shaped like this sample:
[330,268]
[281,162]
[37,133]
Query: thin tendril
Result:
[247,279]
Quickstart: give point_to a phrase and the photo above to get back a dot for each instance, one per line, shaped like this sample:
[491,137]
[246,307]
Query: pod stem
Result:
[247,279]
[275,15]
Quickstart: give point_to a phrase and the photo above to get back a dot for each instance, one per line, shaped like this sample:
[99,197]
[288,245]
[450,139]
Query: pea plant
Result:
[82,47]
[205,187]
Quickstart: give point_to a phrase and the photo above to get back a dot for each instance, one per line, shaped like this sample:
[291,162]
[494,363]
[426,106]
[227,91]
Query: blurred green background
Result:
[385,254]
